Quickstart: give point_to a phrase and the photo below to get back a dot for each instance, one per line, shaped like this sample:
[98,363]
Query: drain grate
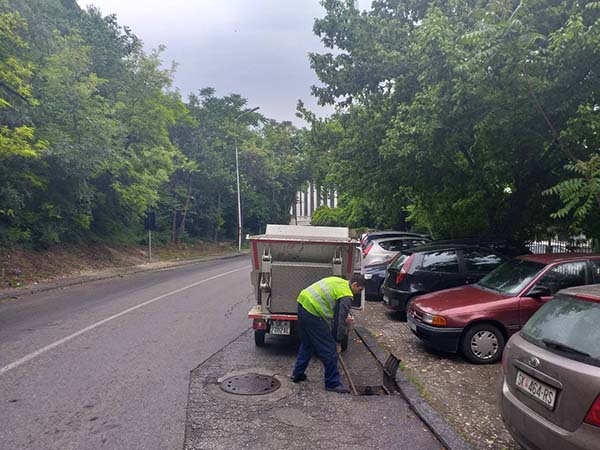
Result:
[250,384]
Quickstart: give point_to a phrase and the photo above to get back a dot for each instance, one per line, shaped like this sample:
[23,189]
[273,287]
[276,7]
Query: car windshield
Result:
[511,277]
[569,326]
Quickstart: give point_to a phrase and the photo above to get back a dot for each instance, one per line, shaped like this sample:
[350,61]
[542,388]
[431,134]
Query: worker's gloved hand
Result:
[338,347]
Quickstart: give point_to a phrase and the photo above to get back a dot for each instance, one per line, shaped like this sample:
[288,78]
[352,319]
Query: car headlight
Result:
[435,320]
[368,276]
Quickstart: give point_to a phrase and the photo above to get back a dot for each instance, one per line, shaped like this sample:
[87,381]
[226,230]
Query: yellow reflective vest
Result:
[320,297]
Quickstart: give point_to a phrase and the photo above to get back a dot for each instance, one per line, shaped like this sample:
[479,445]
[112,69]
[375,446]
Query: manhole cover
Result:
[250,384]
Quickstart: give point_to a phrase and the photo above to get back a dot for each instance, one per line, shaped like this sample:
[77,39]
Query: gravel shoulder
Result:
[462,392]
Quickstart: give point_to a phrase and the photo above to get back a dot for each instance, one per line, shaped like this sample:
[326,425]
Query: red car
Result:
[478,319]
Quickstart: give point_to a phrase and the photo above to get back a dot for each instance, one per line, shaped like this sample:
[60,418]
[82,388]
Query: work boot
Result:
[340,389]
[298,378]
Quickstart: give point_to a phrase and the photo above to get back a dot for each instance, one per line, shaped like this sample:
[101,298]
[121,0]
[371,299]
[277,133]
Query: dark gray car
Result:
[433,267]
[550,394]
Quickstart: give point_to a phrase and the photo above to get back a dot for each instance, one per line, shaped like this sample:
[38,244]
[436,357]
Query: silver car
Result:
[383,250]
[550,394]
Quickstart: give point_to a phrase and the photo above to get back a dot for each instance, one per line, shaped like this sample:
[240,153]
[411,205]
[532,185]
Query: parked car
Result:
[382,250]
[478,319]
[374,275]
[550,393]
[433,267]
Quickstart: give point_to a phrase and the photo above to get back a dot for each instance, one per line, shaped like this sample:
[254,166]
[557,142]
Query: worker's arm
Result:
[341,311]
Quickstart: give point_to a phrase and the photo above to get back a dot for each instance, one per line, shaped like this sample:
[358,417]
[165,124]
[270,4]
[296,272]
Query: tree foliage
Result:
[460,114]
[93,136]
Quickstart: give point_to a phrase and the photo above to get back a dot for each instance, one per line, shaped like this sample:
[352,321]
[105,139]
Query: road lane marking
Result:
[55,344]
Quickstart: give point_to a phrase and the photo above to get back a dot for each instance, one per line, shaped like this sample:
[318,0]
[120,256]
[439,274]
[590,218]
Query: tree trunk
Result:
[173,225]
[185,210]
[318,196]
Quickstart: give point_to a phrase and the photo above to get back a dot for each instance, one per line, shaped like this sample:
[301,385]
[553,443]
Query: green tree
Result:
[457,108]
[18,141]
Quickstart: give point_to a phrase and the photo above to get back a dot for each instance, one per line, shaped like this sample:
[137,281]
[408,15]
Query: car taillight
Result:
[404,269]
[367,249]
[400,276]
[593,415]
[259,324]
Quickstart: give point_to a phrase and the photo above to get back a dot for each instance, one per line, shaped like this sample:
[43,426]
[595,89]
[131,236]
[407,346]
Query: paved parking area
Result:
[296,416]
[462,392]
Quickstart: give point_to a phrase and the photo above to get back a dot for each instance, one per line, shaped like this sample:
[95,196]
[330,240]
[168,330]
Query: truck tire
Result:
[259,337]
[345,343]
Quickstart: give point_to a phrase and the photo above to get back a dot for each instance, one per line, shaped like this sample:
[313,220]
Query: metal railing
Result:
[575,245]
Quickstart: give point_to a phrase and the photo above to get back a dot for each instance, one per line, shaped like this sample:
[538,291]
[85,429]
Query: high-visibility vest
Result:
[320,297]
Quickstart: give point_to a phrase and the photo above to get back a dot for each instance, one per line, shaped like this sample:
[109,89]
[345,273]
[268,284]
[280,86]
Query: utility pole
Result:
[237,176]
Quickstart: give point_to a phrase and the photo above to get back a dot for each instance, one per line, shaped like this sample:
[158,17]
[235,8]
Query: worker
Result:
[322,311]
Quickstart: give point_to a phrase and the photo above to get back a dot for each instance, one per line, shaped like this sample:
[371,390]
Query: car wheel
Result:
[483,344]
[259,338]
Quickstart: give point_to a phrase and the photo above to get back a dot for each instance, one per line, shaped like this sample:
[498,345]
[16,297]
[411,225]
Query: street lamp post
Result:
[237,176]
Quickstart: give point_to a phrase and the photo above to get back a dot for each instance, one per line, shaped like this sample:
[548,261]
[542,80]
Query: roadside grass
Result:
[410,376]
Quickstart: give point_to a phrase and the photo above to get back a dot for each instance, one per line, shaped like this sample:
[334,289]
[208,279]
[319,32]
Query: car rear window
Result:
[441,261]
[389,245]
[398,261]
[568,326]
[395,245]
[481,260]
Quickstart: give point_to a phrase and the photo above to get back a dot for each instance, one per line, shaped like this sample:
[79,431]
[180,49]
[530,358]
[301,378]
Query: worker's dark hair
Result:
[358,279]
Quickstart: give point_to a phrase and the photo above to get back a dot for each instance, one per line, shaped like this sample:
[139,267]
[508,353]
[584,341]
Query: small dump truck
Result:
[289,258]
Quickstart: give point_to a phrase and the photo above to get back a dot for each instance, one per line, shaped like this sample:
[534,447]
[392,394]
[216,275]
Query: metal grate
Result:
[250,384]
[289,279]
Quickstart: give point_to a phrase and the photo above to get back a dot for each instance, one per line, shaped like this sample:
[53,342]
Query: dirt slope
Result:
[19,267]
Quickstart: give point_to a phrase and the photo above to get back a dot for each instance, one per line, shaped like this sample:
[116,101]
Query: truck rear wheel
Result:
[259,337]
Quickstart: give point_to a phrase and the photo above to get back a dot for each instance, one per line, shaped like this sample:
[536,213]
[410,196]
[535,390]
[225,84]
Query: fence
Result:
[575,245]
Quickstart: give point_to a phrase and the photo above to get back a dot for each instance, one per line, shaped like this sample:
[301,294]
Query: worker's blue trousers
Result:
[316,337]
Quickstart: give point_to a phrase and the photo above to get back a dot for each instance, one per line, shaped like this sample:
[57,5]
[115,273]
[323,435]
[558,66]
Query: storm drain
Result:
[250,384]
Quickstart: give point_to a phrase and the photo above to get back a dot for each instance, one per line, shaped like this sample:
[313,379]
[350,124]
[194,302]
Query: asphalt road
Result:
[107,365]
[297,416]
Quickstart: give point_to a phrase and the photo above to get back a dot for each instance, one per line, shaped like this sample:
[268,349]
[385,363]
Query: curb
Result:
[440,427]
[119,272]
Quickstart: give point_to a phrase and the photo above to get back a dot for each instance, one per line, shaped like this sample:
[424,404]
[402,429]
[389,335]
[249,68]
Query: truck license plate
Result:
[280,327]
[536,389]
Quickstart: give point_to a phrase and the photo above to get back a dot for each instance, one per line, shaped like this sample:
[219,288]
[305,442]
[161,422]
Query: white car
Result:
[383,250]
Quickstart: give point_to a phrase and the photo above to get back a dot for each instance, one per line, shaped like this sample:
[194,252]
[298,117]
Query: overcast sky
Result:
[256,48]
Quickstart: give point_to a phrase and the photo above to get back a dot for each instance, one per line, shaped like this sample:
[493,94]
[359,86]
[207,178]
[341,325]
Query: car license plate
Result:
[536,389]
[411,324]
[386,300]
[280,327]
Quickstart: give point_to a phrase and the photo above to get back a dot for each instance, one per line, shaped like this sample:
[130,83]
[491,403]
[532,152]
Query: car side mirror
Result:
[539,291]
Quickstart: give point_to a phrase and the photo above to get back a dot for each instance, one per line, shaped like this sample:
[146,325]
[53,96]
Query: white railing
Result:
[578,244]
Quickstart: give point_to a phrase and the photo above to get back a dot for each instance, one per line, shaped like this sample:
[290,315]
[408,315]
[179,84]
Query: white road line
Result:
[55,344]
